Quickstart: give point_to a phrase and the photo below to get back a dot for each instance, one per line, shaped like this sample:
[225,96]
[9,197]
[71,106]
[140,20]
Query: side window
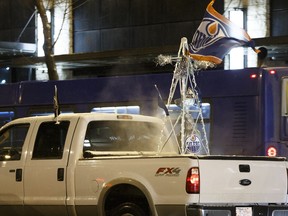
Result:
[100,136]
[11,142]
[50,140]
[122,136]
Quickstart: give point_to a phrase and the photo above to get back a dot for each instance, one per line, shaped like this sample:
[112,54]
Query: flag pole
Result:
[56,105]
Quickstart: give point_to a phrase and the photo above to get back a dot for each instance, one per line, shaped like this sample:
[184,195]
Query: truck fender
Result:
[121,190]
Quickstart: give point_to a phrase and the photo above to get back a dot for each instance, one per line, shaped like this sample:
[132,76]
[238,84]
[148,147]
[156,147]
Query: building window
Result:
[238,57]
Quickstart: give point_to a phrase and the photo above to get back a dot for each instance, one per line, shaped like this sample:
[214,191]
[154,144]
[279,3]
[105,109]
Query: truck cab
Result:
[38,155]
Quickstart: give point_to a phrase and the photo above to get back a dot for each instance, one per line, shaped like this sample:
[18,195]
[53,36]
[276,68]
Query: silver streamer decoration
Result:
[163,60]
[192,128]
[202,65]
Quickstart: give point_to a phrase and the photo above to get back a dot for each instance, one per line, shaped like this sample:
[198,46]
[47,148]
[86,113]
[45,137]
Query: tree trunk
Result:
[47,46]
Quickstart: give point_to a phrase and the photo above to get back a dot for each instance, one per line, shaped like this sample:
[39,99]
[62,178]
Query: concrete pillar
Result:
[258,22]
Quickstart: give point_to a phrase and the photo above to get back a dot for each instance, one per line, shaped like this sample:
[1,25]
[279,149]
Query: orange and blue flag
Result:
[216,36]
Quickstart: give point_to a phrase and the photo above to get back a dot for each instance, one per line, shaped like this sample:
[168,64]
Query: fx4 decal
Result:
[168,171]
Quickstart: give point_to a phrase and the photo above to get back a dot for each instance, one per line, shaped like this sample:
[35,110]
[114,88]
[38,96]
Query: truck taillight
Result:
[193,181]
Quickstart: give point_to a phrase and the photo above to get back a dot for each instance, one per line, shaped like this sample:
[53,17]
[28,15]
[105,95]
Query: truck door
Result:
[12,157]
[45,172]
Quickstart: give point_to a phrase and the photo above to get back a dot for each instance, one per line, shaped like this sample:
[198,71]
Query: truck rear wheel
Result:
[128,209]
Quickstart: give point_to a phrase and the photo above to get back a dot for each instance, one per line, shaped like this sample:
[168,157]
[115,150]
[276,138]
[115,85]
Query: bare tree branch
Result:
[47,46]
[66,11]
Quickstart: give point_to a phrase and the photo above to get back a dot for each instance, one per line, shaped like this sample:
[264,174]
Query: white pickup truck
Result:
[109,164]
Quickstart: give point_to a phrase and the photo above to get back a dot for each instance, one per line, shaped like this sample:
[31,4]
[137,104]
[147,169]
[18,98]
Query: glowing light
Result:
[272,72]
[7,157]
[272,151]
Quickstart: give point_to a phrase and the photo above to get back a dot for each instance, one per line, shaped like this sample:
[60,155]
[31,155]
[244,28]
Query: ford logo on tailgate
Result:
[245,182]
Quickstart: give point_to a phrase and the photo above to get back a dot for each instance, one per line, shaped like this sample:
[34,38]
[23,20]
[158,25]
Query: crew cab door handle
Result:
[18,175]
[60,174]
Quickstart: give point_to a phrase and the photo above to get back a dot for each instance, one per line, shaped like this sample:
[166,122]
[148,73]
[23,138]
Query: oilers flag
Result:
[216,36]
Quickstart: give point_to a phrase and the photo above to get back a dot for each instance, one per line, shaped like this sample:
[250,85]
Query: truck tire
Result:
[128,209]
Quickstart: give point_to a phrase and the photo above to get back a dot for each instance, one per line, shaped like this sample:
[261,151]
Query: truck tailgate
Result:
[243,180]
